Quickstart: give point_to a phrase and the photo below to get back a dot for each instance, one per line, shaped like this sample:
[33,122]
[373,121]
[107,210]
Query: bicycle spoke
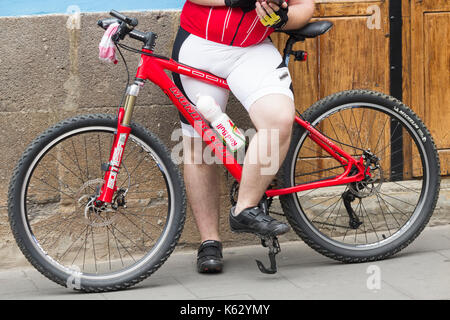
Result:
[363,222]
[356,126]
[387,207]
[325,210]
[99,240]
[56,189]
[315,173]
[117,245]
[409,189]
[100,156]
[93,249]
[86,158]
[74,174]
[76,160]
[370,221]
[335,220]
[64,229]
[381,135]
[336,135]
[386,195]
[59,180]
[70,247]
[384,217]
[317,204]
[346,129]
[137,227]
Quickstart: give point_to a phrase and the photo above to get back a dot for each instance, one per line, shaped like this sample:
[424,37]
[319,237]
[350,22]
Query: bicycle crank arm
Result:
[274,249]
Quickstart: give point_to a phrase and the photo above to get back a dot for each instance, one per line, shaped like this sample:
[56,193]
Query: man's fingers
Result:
[279,3]
[260,11]
[268,7]
[274,7]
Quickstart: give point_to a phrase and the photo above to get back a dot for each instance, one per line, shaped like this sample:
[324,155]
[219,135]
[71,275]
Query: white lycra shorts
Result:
[251,72]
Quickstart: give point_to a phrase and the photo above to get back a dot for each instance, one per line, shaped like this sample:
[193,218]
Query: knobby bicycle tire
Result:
[30,246]
[328,236]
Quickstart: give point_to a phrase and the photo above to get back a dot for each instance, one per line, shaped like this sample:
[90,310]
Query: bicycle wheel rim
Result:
[68,270]
[424,188]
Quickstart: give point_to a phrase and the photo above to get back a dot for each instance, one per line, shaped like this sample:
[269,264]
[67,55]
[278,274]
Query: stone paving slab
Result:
[421,271]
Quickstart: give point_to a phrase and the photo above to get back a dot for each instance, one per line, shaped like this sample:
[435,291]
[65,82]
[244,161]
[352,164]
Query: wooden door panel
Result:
[353,56]
[430,70]
[437,76]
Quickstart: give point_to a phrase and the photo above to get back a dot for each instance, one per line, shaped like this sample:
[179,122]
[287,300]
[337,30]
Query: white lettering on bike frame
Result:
[116,159]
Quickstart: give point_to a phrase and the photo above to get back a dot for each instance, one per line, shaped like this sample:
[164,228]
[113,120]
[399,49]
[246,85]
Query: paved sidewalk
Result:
[422,271]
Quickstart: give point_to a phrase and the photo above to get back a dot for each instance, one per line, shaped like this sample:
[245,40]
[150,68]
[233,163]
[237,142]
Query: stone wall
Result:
[49,71]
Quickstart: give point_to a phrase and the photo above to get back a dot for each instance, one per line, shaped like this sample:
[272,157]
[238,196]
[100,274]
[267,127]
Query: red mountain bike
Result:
[96,202]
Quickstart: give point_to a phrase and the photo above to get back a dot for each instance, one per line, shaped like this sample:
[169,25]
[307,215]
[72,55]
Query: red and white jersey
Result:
[221,24]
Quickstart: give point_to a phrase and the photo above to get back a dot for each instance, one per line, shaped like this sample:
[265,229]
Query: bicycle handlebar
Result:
[127,28]
[131,21]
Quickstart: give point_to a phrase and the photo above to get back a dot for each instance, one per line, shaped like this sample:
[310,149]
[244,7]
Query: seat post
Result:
[288,50]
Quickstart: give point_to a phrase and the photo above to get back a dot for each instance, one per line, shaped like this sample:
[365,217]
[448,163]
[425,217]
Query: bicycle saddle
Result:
[311,30]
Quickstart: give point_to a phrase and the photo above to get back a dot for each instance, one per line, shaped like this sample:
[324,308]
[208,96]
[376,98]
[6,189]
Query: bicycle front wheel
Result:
[381,215]
[58,229]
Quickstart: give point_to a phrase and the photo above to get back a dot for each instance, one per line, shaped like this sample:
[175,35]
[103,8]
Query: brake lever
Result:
[105,23]
[122,31]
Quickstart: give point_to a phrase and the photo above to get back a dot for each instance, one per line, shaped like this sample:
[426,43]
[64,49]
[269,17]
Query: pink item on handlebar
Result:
[107,47]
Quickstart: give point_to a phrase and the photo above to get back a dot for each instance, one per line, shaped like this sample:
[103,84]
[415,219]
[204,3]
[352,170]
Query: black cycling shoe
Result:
[209,257]
[254,220]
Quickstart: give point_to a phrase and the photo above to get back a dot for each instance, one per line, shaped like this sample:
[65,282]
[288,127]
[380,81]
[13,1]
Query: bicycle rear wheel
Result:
[65,237]
[378,217]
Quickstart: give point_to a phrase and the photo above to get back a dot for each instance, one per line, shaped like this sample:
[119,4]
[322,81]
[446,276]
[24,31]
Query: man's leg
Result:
[273,116]
[202,187]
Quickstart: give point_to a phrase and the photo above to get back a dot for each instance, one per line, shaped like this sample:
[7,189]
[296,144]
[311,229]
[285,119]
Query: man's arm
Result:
[300,12]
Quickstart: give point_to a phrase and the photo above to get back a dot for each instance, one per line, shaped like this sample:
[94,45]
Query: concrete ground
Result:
[421,271]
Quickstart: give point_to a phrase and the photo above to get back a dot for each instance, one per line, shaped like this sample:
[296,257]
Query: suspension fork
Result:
[120,140]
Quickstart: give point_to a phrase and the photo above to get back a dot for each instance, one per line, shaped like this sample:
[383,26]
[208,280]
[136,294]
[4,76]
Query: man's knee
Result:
[284,121]
[276,112]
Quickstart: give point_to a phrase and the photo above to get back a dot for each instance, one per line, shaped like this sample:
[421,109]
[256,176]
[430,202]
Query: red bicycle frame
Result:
[152,68]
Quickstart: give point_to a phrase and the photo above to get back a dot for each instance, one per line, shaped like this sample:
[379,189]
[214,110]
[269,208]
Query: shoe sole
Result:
[274,233]
[210,266]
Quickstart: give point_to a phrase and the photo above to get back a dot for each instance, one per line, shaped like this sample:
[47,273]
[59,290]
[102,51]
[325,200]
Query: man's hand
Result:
[279,3]
[246,5]
[273,13]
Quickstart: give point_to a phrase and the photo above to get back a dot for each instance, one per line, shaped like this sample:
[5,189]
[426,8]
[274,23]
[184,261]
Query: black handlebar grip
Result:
[118,15]
[131,21]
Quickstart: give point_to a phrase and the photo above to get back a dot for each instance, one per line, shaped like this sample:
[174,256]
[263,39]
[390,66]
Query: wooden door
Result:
[430,70]
[354,54]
